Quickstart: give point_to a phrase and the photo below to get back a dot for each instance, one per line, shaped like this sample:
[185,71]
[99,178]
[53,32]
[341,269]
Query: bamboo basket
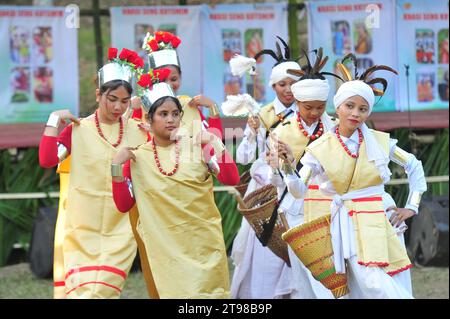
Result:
[243,183]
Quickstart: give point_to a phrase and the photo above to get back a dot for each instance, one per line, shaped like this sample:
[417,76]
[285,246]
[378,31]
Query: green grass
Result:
[19,283]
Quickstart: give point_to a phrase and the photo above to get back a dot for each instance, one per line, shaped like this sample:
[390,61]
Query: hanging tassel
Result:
[240,65]
[241,104]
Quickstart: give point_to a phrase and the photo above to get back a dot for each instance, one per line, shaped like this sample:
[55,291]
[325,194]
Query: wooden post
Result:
[97,32]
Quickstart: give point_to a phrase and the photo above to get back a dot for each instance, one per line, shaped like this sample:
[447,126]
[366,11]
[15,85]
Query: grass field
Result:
[18,282]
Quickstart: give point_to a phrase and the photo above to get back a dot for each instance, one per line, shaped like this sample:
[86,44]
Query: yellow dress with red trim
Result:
[377,244]
[99,246]
[59,289]
[179,224]
[315,203]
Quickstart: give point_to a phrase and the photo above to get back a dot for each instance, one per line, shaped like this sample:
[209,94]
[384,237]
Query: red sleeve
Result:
[229,174]
[121,194]
[137,114]
[48,147]
[215,125]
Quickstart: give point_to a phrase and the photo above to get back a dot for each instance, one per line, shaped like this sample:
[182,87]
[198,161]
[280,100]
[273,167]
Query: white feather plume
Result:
[240,65]
[241,104]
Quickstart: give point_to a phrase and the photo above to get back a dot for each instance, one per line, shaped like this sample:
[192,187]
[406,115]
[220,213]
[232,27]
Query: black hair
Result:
[114,85]
[160,102]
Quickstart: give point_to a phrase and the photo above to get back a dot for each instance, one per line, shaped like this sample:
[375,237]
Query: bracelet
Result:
[53,120]
[116,170]
[214,111]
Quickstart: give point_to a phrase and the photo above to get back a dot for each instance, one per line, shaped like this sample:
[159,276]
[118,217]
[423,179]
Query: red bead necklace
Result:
[177,159]
[305,133]
[99,130]
[360,139]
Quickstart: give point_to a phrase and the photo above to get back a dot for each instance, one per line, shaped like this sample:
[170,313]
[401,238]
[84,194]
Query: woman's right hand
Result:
[124,155]
[253,122]
[65,115]
[136,103]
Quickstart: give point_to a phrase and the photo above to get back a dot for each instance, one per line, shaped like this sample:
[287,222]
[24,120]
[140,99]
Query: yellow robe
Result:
[376,241]
[98,246]
[59,289]
[315,204]
[180,225]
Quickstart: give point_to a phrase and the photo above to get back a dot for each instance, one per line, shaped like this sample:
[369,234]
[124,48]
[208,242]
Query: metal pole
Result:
[97,32]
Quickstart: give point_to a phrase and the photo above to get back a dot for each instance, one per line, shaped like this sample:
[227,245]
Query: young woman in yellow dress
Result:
[179,226]
[95,244]
[351,162]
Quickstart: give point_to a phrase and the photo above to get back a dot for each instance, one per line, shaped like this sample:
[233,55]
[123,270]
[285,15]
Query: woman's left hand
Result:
[205,137]
[400,215]
[200,100]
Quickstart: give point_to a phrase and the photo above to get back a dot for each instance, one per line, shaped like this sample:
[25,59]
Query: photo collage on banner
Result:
[360,27]
[423,44]
[29,93]
[129,26]
[245,30]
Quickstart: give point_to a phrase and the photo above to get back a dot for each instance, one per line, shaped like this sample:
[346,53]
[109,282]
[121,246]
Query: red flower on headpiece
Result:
[162,74]
[153,44]
[145,81]
[175,42]
[112,53]
[159,36]
[125,54]
[167,37]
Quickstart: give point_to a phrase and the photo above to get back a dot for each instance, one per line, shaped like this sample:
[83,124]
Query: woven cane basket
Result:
[243,184]
[311,242]
[261,204]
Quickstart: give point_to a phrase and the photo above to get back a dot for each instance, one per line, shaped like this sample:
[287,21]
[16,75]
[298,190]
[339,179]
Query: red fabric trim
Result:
[97,268]
[395,272]
[94,282]
[59,284]
[313,187]
[368,199]
[365,212]
[373,263]
[317,200]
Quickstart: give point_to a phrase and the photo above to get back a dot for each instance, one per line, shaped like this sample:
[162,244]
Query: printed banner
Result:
[39,69]
[241,29]
[365,28]
[422,28]
[129,25]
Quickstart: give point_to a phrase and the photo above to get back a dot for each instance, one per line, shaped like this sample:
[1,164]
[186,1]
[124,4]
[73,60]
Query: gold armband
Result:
[401,156]
[414,199]
[305,174]
[214,111]
[116,170]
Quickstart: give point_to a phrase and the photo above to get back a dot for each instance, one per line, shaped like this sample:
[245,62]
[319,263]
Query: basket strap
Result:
[268,226]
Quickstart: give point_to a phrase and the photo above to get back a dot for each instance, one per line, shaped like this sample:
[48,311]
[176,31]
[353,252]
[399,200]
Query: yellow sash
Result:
[376,241]
[315,204]
[180,225]
[98,246]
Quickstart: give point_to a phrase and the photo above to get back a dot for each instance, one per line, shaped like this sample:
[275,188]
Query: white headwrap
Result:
[311,90]
[279,72]
[314,90]
[373,149]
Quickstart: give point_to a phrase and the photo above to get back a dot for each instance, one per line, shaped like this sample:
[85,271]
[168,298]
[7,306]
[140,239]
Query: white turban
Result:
[352,88]
[311,90]
[279,72]
[373,149]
